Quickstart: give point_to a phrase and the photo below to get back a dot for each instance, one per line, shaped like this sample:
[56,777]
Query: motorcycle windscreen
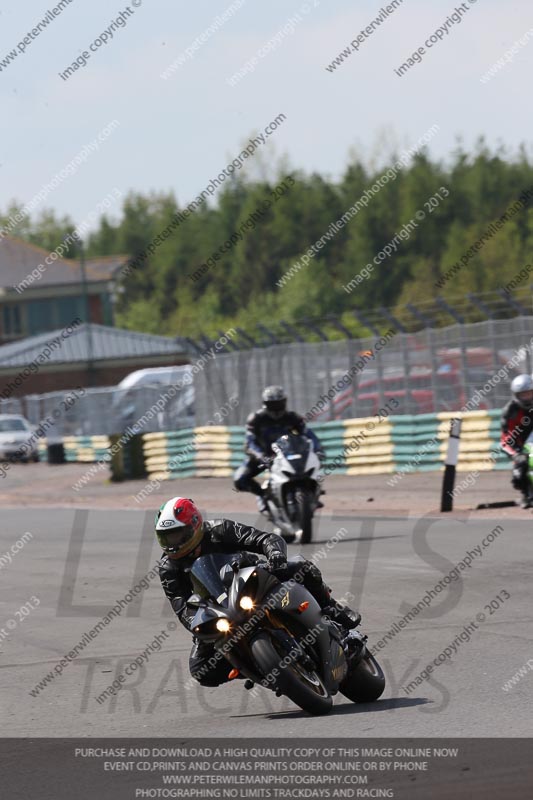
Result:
[206,571]
[293,444]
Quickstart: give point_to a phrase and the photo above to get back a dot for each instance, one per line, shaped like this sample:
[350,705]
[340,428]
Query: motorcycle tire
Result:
[365,682]
[303,687]
[305,514]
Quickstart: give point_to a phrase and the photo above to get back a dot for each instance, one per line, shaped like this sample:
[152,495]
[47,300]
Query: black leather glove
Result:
[277,563]
[245,560]
[520,460]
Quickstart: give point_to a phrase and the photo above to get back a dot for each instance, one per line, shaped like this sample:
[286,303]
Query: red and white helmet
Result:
[179,527]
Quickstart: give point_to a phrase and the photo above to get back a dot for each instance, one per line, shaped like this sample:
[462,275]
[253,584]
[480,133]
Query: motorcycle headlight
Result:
[246,603]
[222,625]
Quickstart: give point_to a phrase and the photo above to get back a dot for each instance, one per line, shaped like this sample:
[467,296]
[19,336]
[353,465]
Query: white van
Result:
[154,376]
[139,390]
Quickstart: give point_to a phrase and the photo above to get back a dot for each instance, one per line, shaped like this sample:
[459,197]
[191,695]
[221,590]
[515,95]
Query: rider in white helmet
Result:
[516,426]
[184,536]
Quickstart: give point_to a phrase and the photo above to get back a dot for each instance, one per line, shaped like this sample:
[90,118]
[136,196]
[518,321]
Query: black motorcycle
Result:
[292,491]
[274,634]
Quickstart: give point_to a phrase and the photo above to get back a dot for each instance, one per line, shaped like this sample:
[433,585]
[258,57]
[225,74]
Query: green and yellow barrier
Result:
[80,448]
[365,446]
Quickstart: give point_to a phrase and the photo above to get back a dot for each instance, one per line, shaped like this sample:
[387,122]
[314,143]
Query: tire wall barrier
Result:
[213,451]
[365,446]
[420,442]
[127,457]
[80,448]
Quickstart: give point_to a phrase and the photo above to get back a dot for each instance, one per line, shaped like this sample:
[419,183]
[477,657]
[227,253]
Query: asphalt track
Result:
[79,563]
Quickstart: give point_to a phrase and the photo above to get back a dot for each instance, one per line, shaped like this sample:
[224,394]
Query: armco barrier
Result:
[398,443]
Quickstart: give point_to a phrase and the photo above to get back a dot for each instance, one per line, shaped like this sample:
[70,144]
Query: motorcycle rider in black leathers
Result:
[185,536]
[263,428]
[516,427]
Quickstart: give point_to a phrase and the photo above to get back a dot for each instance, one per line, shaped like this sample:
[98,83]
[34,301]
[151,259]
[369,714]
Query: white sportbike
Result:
[292,491]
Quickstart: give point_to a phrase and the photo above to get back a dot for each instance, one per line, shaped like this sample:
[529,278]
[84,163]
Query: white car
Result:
[15,432]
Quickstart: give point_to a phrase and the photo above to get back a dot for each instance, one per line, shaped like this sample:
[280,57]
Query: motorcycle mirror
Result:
[195,601]
[226,575]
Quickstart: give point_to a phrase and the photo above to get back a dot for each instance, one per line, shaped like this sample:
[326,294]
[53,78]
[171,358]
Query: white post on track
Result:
[448,481]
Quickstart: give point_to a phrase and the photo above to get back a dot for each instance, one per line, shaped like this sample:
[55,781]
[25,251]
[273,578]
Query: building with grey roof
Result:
[81,354]
[41,292]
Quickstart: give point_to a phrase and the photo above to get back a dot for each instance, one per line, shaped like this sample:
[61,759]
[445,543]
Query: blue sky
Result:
[176,134]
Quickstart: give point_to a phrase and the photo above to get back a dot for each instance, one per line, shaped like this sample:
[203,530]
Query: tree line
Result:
[225,263]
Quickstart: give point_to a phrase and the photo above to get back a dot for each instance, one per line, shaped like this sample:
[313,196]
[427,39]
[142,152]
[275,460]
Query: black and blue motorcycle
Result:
[274,634]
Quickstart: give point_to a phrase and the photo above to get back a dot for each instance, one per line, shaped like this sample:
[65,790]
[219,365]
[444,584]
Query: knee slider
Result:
[239,479]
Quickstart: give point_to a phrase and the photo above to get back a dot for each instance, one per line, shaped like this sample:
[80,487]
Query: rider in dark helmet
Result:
[184,536]
[516,426]
[263,428]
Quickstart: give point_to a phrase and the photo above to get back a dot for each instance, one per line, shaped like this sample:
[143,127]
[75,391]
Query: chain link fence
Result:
[11,406]
[107,411]
[424,372]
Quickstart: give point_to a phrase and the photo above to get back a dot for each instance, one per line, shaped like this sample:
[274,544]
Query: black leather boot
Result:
[526,501]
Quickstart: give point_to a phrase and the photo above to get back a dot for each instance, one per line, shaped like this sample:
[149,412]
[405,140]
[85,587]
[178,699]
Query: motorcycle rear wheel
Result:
[304,687]
[365,682]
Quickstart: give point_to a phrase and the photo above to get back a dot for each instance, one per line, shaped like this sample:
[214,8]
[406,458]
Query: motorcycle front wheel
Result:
[301,685]
[304,505]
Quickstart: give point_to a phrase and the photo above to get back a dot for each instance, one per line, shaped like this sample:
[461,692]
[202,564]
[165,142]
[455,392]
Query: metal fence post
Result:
[464,378]
[433,370]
